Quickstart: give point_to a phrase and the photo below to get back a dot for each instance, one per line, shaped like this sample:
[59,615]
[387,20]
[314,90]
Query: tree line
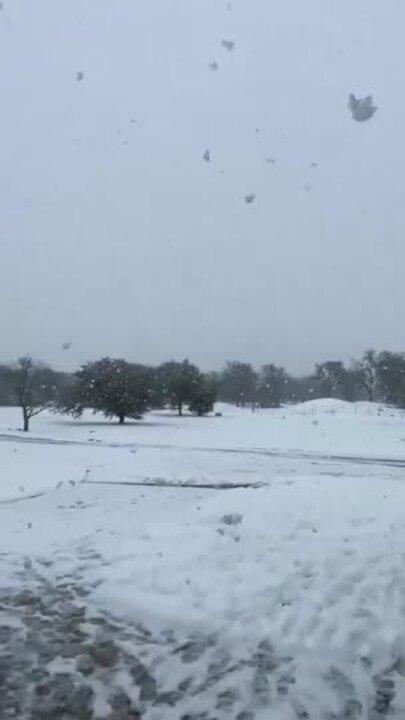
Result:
[124,390]
[376,376]
[111,386]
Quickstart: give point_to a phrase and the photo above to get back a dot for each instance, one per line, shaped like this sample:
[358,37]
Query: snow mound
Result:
[323,406]
[371,408]
[332,406]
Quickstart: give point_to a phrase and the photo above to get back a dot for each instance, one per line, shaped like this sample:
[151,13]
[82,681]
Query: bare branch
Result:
[32,412]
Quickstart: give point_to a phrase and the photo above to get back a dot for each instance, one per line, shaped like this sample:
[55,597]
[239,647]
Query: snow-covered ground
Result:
[282,568]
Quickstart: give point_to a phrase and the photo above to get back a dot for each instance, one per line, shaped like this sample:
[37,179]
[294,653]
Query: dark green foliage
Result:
[8,385]
[239,383]
[157,397]
[180,381]
[303,388]
[203,398]
[111,386]
[121,389]
[391,378]
[273,386]
[349,386]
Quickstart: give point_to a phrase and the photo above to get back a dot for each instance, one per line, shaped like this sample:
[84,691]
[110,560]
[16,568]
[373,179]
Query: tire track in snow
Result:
[284,454]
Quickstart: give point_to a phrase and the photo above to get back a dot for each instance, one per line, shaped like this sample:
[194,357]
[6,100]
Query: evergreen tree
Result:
[204,395]
[238,383]
[111,386]
[391,377]
[272,388]
[180,382]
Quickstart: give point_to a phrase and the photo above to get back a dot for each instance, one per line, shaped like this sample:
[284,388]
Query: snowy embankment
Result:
[295,586]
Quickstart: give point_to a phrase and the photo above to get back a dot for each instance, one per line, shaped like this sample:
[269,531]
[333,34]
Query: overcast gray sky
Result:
[117,236]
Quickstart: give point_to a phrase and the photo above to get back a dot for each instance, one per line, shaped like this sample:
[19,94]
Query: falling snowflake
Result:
[228,45]
[207,156]
[250,198]
[271,160]
[213,66]
[66,345]
[361,108]
[79,76]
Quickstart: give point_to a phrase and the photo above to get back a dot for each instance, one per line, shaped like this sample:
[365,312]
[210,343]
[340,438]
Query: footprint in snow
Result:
[232,519]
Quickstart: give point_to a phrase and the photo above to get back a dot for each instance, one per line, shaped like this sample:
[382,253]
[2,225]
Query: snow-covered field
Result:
[275,586]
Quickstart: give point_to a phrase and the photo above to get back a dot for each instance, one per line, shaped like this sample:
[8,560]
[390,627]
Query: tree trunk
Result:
[121,419]
[180,409]
[26,421]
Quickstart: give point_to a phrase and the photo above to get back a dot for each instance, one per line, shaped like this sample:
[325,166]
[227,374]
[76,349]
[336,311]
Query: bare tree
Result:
[330,374]
[35,389]
[366,371]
